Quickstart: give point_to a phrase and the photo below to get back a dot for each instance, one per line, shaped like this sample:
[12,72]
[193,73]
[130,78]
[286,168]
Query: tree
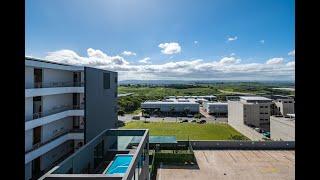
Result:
[186,111]
[198,116]
[121,113]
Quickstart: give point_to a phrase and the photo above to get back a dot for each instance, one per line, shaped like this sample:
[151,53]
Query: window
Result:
[266,106]
[106,80]
[261,106]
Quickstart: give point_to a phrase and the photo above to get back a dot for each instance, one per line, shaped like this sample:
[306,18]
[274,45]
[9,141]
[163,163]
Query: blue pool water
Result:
[120,164]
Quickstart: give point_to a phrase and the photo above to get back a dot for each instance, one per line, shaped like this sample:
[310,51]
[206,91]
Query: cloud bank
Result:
[226,68]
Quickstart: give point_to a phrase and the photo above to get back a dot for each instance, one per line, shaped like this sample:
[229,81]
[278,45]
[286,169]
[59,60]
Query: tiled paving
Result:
[235,164]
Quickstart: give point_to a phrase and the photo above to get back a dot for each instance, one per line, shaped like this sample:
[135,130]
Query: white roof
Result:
[217,103]
[255,98]
[173,102]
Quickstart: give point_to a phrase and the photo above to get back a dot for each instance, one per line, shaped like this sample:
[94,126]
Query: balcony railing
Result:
[55,84]
[54,110]
[54,137]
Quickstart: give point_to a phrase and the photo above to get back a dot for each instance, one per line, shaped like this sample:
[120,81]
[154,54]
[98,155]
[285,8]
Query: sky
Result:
[167,39]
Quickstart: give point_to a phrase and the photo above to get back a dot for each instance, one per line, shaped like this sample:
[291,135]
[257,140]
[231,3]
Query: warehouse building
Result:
[219,109]
[171,105]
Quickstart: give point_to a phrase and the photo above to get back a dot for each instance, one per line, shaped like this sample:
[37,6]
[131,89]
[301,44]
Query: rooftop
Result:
[170,101]
[254,98]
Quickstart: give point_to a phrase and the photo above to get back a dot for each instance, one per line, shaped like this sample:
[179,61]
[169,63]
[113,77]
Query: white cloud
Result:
[262,41]
[232,54]
[232,38]
[128,53]
[226,68]
[291,64]
[95,58]
[195,42]
[170,48]
[229,60]
[145,60]
[275,61]
[292,53]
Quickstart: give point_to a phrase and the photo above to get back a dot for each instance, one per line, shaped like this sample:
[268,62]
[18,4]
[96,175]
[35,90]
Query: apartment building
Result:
[282,128]
[60,111]
[216,108]
[252,111]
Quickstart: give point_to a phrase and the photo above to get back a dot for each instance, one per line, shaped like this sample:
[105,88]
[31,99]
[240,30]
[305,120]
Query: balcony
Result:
[50,88]
[59,112]
[56,140]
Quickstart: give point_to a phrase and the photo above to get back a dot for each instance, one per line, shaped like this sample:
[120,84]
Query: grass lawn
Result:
[211,131]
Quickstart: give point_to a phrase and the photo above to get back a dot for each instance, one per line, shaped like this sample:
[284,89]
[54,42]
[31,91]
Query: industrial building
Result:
[283,106]
[252,111]
[171,105]
[282,128]
[207,97]
[218,109]
[60,110]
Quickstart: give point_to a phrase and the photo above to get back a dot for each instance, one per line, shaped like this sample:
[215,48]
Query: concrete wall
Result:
[29,77]
[285,106]
[281,129]
[263,145]
[28,135]
[28,108]
[55,154]
[100,103]
[28,171]
[235,112]
[55,75]
[56,127]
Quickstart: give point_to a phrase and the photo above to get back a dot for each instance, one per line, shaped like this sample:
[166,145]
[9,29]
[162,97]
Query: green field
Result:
[212,131]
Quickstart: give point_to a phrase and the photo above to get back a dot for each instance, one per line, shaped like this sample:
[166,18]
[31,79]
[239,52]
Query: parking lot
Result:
[234,164]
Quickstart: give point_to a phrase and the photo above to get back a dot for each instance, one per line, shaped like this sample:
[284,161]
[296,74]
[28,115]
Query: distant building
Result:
[168,105]
[216,108]
[207,97]
[283,107]
[282,128]
[252,111]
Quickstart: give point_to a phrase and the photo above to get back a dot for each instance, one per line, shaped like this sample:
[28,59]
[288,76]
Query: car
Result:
[266,134]
[193,120]
[146,116]
[189,115]
[202,121]
[257,129]
[185,120]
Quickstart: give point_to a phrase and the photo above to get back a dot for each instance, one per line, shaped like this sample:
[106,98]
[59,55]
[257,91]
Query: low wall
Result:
[237,145]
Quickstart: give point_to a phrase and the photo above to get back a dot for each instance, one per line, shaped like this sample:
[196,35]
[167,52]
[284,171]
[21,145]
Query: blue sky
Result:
[166,34]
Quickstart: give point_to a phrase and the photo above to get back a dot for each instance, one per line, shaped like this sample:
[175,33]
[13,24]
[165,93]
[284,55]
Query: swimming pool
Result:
[119,164]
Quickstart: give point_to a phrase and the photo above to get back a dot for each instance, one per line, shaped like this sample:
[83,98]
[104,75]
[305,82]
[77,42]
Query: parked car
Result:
[185,120]
[193,120]
[146,116]
[257,129]
[266,134]
[189,115]
[136,117]
[202,121]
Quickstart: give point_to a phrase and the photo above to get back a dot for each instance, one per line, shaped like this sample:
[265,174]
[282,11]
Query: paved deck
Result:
[235,164]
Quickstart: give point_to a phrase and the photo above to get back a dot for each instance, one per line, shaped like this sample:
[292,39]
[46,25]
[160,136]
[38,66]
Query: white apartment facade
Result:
[61,112]
[251,111]
[54,113]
